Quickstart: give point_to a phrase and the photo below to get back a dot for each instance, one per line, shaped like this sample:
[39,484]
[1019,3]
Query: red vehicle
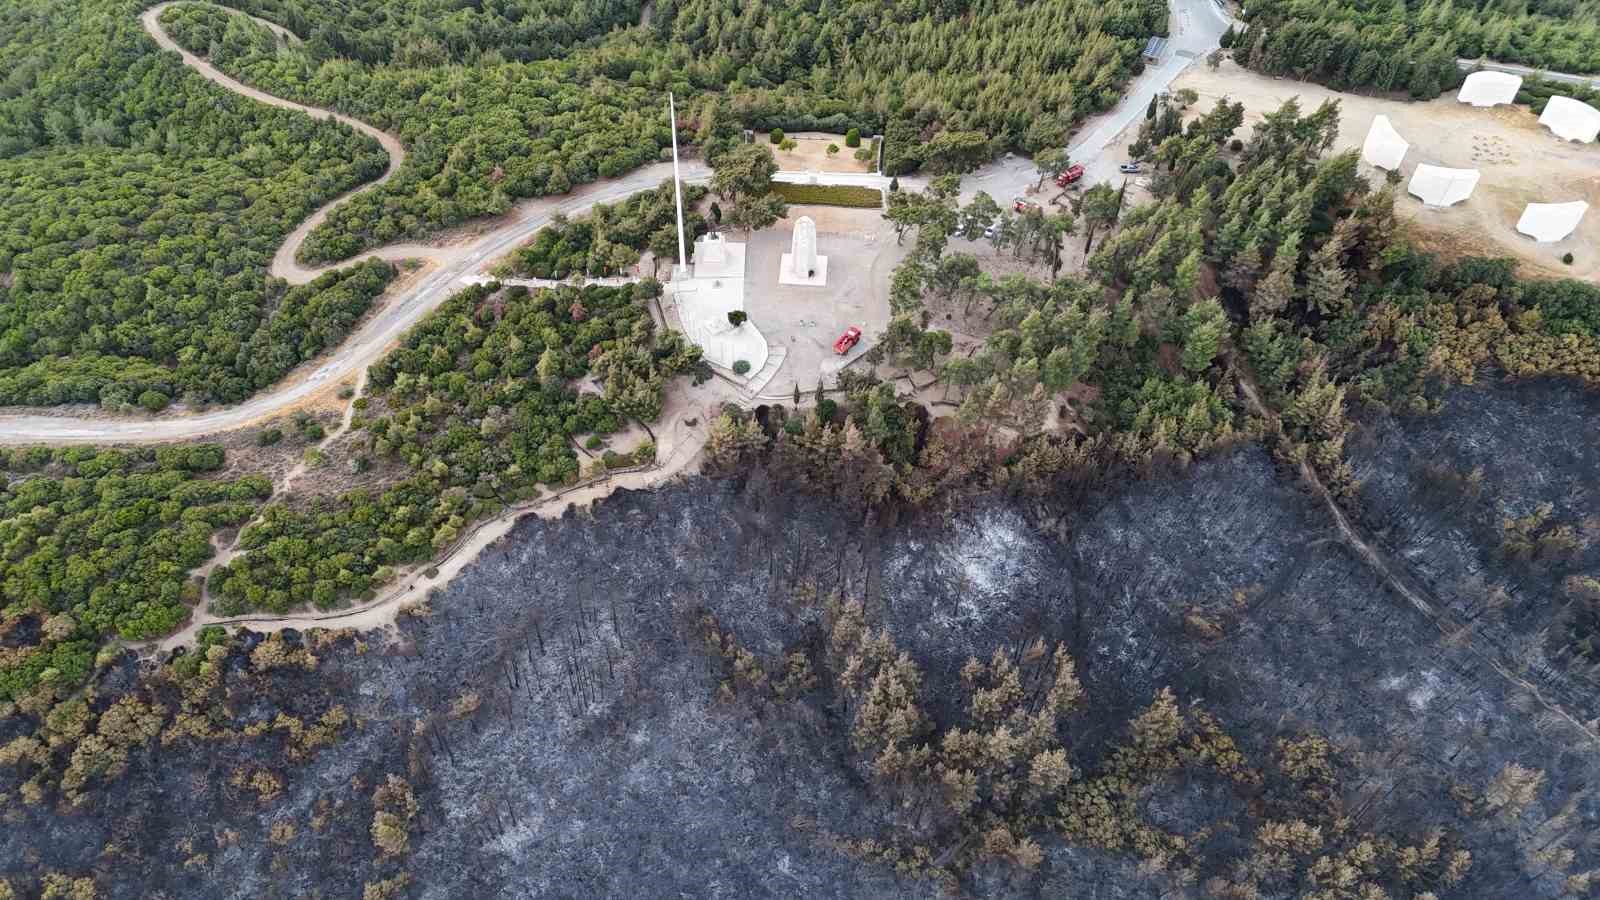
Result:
[847,340]
[1022,205]
[1072,174]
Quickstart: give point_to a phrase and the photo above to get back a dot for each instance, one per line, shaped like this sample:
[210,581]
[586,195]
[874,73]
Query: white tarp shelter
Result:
[1489,88]
[1384,146]
[1550,222]
[1571,119]
[1438,186]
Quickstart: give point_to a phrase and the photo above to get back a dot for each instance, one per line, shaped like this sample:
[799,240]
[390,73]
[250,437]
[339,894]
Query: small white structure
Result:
[1384,147]
[1551,222]
[801,265]
[1489,88]
[1571,119]
[1438,186]
[710,289]
[717,258]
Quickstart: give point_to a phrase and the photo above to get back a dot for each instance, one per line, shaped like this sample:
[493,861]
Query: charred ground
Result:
[564,735]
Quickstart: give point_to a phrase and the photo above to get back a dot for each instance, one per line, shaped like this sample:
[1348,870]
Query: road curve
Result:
[372,337]
[283,263]
[1196,26]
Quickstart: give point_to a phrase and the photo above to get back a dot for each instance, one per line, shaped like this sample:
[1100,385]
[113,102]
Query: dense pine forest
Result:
[952,84]
[477,408]
[1413,47]
[149,201]
[141,208]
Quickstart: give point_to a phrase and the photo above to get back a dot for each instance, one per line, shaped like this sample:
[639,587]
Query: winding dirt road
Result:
[395,313]
[388,321]
[283,263]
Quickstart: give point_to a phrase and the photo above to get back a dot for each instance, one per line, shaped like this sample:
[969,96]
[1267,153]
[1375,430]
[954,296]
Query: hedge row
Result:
[830,195]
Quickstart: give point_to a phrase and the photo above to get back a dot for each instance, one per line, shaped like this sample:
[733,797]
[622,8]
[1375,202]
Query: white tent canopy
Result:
[1384,146]
[1438,186]
[1489,88]
[1550,222]
[1571,119]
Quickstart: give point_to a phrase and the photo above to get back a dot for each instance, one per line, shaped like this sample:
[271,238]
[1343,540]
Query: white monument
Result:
[1489,88]
[1571,119]
[1384,147]
[1439,186]
[1551,222]
[705,292]
[801,265]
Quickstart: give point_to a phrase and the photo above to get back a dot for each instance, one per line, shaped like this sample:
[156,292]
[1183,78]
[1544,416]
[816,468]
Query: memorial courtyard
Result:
[805,321]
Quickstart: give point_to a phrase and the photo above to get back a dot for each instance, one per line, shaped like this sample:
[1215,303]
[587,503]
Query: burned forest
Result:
[1184,684]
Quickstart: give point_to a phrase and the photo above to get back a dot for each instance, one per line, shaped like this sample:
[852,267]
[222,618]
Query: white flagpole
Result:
[677,184]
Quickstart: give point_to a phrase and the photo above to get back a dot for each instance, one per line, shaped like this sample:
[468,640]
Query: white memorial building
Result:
[1551,222]
[1570,119]
[712,288]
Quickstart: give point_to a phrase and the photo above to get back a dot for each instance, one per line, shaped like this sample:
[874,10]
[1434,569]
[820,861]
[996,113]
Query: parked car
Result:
[847,340]
[1129,168]
[1022,204]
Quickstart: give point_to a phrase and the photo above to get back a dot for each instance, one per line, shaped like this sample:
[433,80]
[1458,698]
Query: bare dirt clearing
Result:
[1521,163]
[811,154]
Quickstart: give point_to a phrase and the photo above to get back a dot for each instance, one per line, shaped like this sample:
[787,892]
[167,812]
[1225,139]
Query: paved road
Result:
[1196,26]
[375,334]
[1589,81]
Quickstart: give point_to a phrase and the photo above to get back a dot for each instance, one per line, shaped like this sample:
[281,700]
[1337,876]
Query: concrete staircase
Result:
[758,382]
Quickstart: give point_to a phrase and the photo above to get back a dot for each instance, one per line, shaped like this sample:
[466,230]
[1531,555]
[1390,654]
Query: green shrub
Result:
[1566,258]
[737,317]
[830,195]
[852,138]
[775,136]
[594,442]
[269,437]
[154,401]
[741,367]
[463,459]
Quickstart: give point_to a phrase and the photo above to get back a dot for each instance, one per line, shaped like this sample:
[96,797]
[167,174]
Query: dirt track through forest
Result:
[1400,578]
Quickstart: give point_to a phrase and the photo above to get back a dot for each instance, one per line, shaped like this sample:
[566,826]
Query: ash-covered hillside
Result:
[721,689]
